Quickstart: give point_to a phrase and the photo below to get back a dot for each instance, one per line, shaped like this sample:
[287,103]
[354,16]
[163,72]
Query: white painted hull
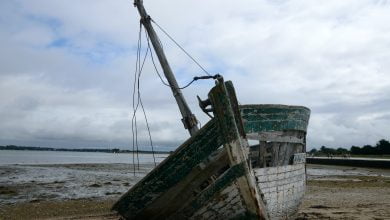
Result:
[277,153]
[282,189]
[218,208]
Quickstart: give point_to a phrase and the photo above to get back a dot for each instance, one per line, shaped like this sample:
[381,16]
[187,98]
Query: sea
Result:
[70,157]
[31,176]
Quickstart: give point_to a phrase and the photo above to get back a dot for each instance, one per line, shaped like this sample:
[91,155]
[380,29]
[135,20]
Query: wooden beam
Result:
[171,171]
[236,146]
[183,193]
[266,118]
[189,120]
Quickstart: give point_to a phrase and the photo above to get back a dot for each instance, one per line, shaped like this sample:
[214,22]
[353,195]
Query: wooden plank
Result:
[224,180]
[262,154]
[276,136]
[260,118]
[183,193]
[226,204]
[275,153]
[171,171]
[284,157]
[236,147]
[283,188]
[174,185]
[235,107]
[299,158]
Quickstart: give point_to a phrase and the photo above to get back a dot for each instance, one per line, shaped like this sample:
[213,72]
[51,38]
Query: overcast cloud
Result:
[66,67]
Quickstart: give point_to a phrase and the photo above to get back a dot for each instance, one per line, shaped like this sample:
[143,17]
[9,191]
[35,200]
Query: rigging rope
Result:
[137,94]
[143,109]
[136,104]
[177,44]
[159,75]
[135,75]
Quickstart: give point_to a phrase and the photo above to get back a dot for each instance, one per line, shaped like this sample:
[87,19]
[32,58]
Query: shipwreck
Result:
[247,162]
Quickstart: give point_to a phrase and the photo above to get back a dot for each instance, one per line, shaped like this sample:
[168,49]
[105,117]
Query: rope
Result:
[143,109]
[135,75]
[147,126]
[159,75]
[137,94]
[177,44]
[134,127]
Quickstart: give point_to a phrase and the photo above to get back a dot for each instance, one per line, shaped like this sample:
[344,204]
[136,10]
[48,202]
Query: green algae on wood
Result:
[261,118]
[171,171]
[226,179]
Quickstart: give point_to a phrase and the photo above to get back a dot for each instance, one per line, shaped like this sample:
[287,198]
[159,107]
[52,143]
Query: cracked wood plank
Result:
[171,171]
[236,145]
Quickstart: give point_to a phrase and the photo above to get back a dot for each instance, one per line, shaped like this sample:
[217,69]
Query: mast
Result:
[189,120]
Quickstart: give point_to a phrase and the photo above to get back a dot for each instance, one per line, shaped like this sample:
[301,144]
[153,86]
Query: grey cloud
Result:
[330,56]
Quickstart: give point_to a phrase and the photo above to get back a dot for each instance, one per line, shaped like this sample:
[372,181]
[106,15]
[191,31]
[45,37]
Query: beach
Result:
[87,191]
[346,193]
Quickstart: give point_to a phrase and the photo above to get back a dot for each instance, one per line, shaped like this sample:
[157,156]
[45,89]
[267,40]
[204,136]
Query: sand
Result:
[347,199]
[332,193]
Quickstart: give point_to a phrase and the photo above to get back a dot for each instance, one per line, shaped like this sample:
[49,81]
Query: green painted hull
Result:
[260,118]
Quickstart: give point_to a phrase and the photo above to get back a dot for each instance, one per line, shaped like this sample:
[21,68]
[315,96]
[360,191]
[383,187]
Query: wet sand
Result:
[347,197]
[26,192]
[34,183]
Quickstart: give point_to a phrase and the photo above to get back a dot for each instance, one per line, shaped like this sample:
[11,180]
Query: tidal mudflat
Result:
[56,182]
[337,192]
[87,191]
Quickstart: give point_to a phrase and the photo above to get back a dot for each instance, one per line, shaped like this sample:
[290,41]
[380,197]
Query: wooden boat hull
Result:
[278,154]
[207,177]
[283,189]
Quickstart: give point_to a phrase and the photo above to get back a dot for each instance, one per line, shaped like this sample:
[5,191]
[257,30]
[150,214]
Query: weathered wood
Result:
[299,158]
[262,118]
[200,180]
[283,188]
[262,154]
[235,147]
[187,189]
[210,175]
[189,119]
[226,204]
[171,171]
[224,180]
[179,179]
[281,130]
[235,107]
[284,157]
[276,136]
[275,153]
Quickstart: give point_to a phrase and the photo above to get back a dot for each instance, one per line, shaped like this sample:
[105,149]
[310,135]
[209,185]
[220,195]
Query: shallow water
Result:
[31,176]
[47,175]
[67,157]
[71,181]
[315,171]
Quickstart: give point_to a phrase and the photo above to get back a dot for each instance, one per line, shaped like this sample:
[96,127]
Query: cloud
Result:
[66,67]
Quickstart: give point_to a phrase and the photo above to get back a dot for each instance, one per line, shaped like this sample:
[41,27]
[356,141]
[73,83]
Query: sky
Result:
[67,67]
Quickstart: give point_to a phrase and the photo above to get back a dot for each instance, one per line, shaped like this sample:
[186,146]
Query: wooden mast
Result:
[189,120]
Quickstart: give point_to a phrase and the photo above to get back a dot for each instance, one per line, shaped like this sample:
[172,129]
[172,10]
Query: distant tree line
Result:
[382,147]
[113,150]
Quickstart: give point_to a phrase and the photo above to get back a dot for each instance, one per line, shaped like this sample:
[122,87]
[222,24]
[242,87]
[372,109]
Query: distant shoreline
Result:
[113,150]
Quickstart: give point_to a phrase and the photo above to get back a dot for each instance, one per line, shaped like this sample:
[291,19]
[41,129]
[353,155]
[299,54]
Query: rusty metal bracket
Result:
[203,105]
